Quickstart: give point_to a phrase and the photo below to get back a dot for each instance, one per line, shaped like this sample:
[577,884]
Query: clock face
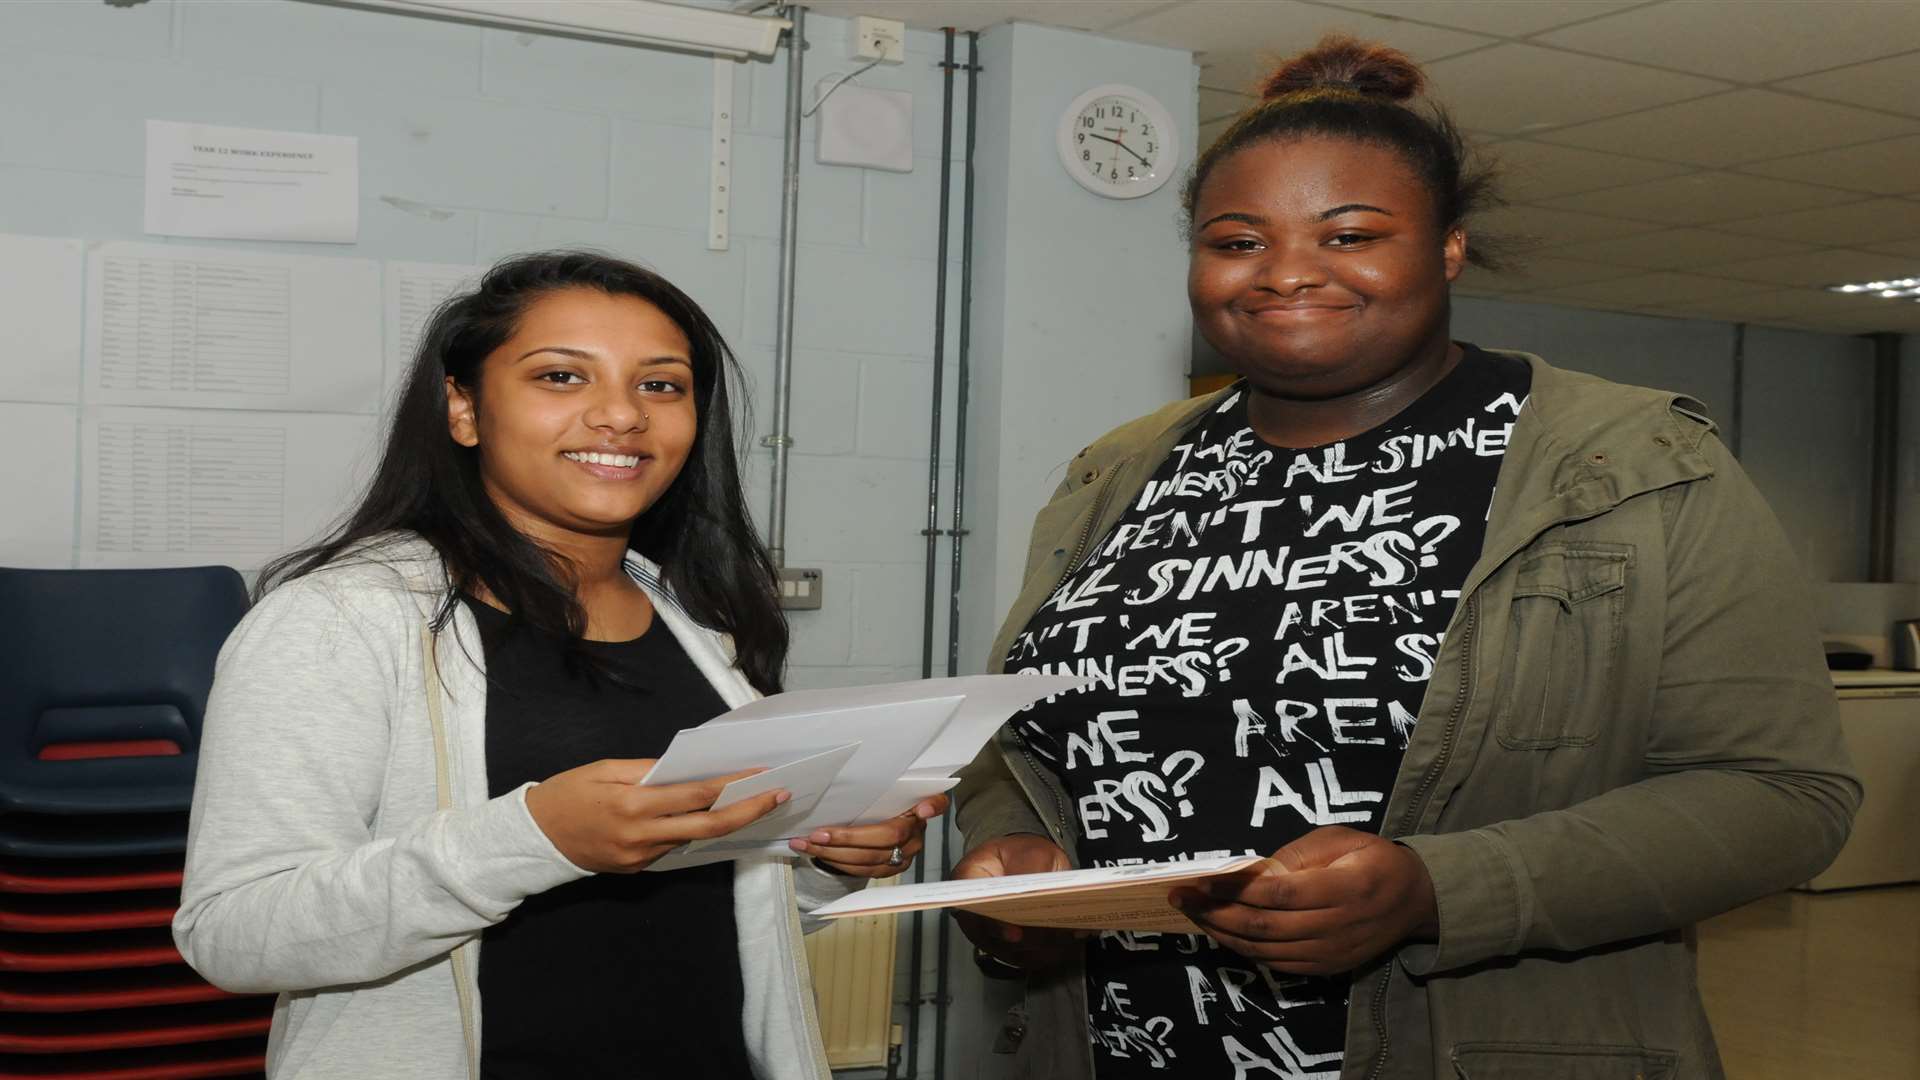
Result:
[1117,142]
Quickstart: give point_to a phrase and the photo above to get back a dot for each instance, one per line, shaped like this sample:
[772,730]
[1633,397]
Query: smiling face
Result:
[1318,268]
[583,417]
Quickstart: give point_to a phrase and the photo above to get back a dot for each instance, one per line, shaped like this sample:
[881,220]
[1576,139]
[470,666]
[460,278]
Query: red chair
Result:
[90,990]
[243,1057]
[113,950]
[55,914]
[130,1029]
[88,875]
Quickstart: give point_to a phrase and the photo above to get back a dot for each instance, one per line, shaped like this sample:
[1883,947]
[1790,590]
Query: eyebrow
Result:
[1324,215]
[1348,208]
[582,354]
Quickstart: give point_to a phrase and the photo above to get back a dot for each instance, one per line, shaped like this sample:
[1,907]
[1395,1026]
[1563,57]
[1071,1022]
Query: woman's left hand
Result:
[1324,904]
[865,850]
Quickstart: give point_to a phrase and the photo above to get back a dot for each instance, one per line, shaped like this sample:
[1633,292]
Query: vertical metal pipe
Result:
[932,531]
[1886,456]
[781,441]
[962,379]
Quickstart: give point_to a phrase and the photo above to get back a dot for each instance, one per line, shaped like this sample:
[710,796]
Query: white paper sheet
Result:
[807,781]
[206,328]
[906,732]
[410,293]
[183,487]
[41,283]
[248,184]
[934,894]
[37,487]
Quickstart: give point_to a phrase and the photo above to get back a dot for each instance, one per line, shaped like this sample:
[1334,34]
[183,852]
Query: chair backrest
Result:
[104,677]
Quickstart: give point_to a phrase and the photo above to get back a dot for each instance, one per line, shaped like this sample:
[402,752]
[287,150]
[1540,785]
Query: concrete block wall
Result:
[476,144]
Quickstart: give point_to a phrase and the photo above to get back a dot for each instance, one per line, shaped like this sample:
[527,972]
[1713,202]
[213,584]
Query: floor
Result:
[1815,986]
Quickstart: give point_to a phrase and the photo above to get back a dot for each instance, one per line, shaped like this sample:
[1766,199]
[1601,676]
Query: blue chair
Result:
[104,677]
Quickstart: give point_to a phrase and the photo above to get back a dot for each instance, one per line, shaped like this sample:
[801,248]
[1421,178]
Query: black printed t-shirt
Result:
[591,977]
[1262,624]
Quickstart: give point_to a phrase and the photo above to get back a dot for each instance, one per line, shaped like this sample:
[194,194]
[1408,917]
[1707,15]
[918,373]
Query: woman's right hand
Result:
[1029,948]
[602,820]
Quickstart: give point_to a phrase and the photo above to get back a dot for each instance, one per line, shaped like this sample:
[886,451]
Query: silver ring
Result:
[895,857]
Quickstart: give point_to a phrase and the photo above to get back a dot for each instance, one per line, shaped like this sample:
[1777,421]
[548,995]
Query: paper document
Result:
[1111,898]
[247,184]
[879,749]
[412,291]
[37,494]
[40,289]
[186,487]
[206,328]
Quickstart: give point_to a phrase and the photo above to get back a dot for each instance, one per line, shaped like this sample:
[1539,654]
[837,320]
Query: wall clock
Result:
[1118,141]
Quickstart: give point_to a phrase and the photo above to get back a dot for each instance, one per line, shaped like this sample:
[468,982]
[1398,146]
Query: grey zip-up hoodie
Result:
[343,851]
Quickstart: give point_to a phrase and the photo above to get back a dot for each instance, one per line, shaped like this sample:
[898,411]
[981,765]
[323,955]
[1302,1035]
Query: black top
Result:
[616,972]
[1262,624]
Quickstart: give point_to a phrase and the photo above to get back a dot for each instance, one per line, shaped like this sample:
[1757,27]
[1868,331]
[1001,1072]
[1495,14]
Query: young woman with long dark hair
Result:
[1501,668]
[426,736]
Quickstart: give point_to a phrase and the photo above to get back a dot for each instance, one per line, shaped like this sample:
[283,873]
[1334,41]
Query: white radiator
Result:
[852,963]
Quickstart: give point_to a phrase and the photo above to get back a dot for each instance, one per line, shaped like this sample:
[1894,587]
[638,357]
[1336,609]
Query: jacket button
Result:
[1598,459]
[1090,476]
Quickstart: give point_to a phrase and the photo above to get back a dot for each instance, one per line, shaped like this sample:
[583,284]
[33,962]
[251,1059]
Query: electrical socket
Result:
[800,589]
[884,40]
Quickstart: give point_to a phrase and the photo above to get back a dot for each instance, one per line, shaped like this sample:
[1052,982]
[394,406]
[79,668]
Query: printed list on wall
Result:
[194,406]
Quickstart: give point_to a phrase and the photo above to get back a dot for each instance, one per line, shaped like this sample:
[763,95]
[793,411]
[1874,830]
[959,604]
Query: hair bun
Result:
[1344,63]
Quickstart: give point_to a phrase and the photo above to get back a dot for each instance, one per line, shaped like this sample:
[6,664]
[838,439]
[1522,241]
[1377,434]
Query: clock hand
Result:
[1123,146]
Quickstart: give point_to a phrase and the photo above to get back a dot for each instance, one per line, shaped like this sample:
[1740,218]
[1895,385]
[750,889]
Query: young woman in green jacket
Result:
[1501,667]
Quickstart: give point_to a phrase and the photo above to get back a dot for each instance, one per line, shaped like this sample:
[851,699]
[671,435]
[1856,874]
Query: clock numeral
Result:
[1079,136]
[1130,175]
[1086,121]
[1086,155]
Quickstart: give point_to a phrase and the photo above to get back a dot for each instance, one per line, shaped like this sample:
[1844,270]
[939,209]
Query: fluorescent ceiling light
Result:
[627,22]
[1907,288]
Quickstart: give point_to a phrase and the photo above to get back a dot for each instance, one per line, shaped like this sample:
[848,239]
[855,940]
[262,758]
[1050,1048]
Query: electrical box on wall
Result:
[800,589]
[884,40]
[872,129]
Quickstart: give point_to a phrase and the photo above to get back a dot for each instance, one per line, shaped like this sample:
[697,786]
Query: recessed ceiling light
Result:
[1907,288]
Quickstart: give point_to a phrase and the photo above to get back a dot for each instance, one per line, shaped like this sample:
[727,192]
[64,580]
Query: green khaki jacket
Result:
[1629,728]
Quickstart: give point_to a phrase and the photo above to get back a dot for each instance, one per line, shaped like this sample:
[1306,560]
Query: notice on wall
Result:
[413,290]
[182,487]
[40,294]
[37,486]
[247,184]
[206,328]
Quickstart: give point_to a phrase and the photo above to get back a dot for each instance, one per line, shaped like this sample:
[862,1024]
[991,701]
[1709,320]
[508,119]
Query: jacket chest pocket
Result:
[1563,636]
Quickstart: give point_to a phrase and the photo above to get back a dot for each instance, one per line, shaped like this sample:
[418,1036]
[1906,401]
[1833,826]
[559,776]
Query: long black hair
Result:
[698,531]
[1350,89]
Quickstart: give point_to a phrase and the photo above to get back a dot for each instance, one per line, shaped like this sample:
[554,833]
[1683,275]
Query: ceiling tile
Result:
[1782,305]
[1749,42]
[1908,248]
[1561,88]
[980,14]
[1815,268]
[1678,249]
[1533,171]
[1854,224]
[1886,167]
[1656,288]
[1241,42]
[1222,104]
[1882,84]
[1541,227]
[1745,125]
[1503,20]
[1703,198]
[1541,272]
